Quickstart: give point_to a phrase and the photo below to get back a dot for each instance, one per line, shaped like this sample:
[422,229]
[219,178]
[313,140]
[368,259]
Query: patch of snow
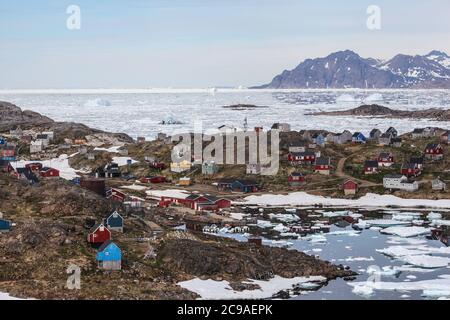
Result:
[369,200]
[218,290]
[123,161]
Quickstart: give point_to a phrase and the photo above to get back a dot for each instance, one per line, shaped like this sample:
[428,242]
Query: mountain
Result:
[346,69]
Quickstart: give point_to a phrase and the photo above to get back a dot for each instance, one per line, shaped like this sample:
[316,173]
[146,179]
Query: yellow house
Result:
[180,166]
[185,181]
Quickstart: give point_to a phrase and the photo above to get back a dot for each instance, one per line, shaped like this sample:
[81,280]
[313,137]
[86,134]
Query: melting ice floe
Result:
[406,231]
[215,290]
[439,287]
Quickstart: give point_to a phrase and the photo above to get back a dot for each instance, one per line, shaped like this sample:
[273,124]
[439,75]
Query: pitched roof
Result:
[323,161]
[371,164]
[105,245]
[433,146]
[394,176]
[246,182]
[385,155]
[409,165]
[96,226]
[418,160]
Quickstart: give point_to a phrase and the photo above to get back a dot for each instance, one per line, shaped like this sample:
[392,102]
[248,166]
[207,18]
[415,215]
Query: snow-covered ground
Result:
[61,163]
[369,200]
[215,290]
[139,112]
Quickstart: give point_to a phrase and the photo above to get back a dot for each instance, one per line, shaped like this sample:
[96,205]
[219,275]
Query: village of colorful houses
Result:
[303,157]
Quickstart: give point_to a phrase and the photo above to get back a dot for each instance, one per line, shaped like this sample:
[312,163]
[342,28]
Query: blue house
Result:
[244,186]
[2,141]
[109,256]
[358,137]
[5,225]
[318,139]
[114,221]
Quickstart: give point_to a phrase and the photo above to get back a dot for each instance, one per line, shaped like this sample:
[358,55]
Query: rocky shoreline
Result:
[375,110]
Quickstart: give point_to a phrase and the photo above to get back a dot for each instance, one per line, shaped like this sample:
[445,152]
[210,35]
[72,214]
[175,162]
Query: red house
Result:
[7,152]
[410,170]
[49,172]
[157,179]
[323,165]
[434,151]
[385,159]
[296,178]
[350,187]
[115,195]
[35,166]
[302,157]
[371,167]
[197,202]
[98,234]
[157,165]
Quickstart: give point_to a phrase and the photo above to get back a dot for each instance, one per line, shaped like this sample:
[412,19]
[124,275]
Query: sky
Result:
[200,43]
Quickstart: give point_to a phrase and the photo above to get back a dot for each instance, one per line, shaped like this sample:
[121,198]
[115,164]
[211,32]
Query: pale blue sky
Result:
[200,43]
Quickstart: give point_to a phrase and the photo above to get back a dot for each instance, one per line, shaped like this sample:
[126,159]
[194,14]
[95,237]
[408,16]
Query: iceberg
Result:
[97,103]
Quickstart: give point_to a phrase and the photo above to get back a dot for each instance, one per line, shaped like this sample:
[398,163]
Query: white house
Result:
[438,185]
[399,182]
[36,146]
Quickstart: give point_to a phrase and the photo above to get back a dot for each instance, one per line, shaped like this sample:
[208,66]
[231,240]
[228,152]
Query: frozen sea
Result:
[139,112]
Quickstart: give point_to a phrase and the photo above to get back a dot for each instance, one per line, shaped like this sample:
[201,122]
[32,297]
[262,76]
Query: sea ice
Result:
[406,231]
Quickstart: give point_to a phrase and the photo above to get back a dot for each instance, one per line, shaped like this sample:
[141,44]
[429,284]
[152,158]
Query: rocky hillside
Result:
[11,117]
[381,111]
[346,69]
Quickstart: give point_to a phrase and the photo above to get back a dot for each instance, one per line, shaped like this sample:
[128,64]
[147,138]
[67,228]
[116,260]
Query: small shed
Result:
[109,256]
[350,187]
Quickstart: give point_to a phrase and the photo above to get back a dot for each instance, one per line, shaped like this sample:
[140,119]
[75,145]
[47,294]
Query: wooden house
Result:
[438,185]
[384,139]
[418,161]
[374,134]
[392,132]
[396,142]
[7,152]
[36,147]
[358,137]
[370,167]
[342,138]
[98,234]
[298,146]
[153,179]
[307,157]
[114,221]
[399,182]
[115,195]
[209,168]
[5,225]
[318,139]
[434,151]
[350,187]
[2,141]
[44,139]
[34,166]
[185,181]
[445,137]
[140,140]
[385,159]
[47,172]
[245,186]
[410,170]
[181,166]
[296,178]
[283,127]
[322,165]
[109,256]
